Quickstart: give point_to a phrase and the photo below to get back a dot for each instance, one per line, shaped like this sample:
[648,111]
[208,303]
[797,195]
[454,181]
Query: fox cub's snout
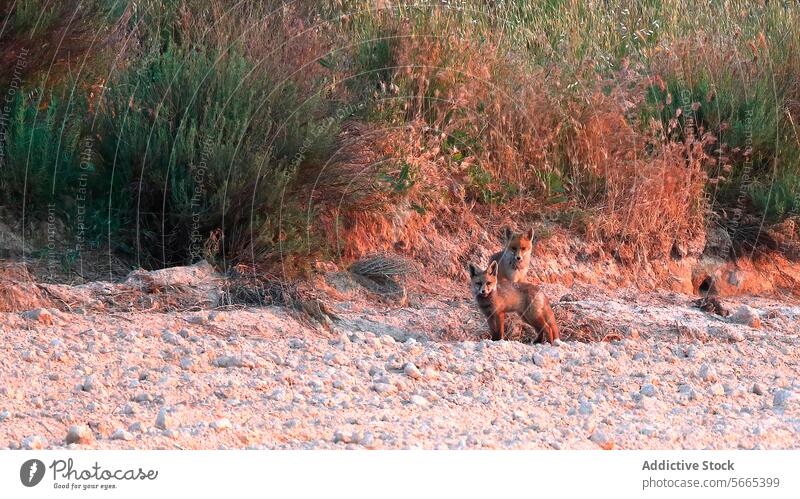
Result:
[483,282]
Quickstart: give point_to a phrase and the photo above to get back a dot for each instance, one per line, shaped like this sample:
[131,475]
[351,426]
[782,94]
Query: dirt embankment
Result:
[177,359]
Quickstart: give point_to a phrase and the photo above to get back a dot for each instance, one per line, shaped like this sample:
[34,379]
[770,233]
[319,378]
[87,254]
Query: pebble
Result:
[278,394]
[79,434]
[419,400]
[41,315]
[136,427]
[143,397]
[34,442]
[586,408]
[340,436]
[297,344]
[412,371]
[87,384]
[164,419]
[121,434]
[781,398]
[600,438]
[648,390]
[736,336]
[746,315]
[381,387]
[229,361]
[222,424]
[707,373]
[4,415]
[758,389]
[336,359]
[170,433]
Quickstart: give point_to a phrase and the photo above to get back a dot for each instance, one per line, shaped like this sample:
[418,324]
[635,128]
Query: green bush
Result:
[196,140]
[40,153]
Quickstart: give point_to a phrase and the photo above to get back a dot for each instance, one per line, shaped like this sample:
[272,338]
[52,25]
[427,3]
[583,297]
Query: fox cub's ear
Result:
[492,268]
[473,270]
[529,234]
[507,234]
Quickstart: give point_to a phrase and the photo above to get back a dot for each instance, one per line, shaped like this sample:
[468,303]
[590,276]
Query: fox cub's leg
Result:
[546,329]
[550,318]
[496,325]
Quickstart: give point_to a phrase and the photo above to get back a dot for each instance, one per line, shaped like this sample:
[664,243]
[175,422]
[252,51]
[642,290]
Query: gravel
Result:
[261,378]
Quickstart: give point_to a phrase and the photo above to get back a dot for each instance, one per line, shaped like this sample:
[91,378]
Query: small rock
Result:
[781,398]
[746,315]
[735,337]
[79,434]
[170,433]
[169,337]
[228,361]
[41,315]
[707,373]
[340,436]
[4,415]
[163,420]
[344,340]
[196,319]
[716,389]
[381,387]
[367,440]
[121,434]
[34,442]
[758,389]
[137,427]
[222,424]
[419,400]
[601,439]
[648,390]
[297,344]
[88,384]
[335,359]
[586,408]
[412,371]
[187,363]
[143,397]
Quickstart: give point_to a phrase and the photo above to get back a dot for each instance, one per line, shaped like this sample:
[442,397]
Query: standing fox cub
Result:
[514,259]
[496,298]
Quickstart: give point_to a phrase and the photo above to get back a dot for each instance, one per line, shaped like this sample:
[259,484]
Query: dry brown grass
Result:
[644,191]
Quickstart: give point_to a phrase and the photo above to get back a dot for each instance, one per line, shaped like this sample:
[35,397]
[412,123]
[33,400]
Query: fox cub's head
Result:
[518,247]
[483,281]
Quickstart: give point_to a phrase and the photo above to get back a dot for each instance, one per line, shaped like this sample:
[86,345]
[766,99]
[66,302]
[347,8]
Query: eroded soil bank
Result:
[636,369]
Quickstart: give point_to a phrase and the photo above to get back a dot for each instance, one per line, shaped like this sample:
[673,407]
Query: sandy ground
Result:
[389,376]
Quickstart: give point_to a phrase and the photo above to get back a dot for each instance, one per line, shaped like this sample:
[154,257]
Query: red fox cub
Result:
[513,260]
[496,298]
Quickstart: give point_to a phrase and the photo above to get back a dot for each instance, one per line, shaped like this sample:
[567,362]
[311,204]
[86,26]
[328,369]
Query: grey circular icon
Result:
[31,472]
